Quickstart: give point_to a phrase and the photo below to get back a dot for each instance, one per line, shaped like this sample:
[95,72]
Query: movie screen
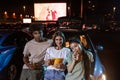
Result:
[49,11]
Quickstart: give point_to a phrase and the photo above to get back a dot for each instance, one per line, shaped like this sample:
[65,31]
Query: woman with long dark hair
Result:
[78,61]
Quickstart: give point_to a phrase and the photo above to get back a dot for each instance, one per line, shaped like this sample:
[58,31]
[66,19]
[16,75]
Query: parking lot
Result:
[110,54]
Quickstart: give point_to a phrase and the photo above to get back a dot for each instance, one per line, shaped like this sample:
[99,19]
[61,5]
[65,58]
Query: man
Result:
[34,52]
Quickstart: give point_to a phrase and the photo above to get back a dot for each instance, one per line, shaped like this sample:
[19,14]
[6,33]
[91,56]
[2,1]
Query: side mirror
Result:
[99,47]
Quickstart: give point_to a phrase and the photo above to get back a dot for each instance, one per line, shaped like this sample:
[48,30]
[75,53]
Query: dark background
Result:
[110,54]
[100,14]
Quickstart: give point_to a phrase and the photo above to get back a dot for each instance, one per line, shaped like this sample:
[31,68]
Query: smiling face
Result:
[76,47]
[58,41]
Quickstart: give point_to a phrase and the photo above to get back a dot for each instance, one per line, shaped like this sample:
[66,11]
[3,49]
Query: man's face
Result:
[38,34]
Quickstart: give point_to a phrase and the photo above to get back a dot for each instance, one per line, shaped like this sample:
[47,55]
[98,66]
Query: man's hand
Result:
[32,66]
[26,60]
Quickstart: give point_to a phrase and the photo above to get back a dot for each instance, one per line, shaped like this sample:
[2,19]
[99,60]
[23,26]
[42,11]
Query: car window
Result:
[22,39]
[18,39]
[70,22]
[83,41]
[83,38]
[10,40]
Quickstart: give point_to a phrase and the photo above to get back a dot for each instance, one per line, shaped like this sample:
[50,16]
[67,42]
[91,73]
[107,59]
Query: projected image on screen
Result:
[49,11]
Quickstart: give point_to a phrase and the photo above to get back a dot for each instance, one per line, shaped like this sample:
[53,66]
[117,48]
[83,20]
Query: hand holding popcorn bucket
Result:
[58,61]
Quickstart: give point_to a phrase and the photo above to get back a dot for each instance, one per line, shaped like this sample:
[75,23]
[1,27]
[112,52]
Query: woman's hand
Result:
[77,56]
[49,62]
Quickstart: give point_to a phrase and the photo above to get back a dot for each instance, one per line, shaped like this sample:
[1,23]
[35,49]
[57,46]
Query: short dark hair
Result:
[36,27]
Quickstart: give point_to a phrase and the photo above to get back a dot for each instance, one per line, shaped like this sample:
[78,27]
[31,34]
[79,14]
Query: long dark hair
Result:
[87,63]
[58,33]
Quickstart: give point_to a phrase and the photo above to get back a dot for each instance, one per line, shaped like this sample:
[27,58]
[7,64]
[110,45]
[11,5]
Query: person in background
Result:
[55,57]
[78,61]
[34,52]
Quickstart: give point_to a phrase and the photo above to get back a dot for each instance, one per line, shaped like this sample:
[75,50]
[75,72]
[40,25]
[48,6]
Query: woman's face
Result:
[58,40]
[75,47]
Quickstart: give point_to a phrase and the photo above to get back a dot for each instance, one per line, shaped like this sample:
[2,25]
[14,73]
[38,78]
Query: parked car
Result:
[11,57]
[70,22]
[97,68]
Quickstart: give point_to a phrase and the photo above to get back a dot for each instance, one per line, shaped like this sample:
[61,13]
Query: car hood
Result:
[6,54]
[98,69]
[3,48]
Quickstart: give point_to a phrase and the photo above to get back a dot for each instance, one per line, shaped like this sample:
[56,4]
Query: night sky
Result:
[16,6]
[11,5]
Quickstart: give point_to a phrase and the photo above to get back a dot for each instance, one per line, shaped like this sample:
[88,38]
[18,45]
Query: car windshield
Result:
[70,22]
[83,38]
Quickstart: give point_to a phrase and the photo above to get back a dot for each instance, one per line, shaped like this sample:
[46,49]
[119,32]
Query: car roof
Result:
[4,34]
[70,22]
[67,18]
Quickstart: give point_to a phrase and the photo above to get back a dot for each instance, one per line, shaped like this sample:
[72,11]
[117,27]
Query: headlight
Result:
[102,77]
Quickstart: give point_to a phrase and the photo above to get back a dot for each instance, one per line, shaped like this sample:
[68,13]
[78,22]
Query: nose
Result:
[59,41]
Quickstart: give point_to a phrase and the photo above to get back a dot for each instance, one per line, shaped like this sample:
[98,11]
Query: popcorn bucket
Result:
[58,61]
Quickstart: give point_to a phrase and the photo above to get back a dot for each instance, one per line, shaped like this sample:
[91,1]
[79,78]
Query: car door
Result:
[14,64]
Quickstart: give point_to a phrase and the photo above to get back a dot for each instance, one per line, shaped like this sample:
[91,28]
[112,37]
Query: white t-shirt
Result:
[36,51]
[52,53]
